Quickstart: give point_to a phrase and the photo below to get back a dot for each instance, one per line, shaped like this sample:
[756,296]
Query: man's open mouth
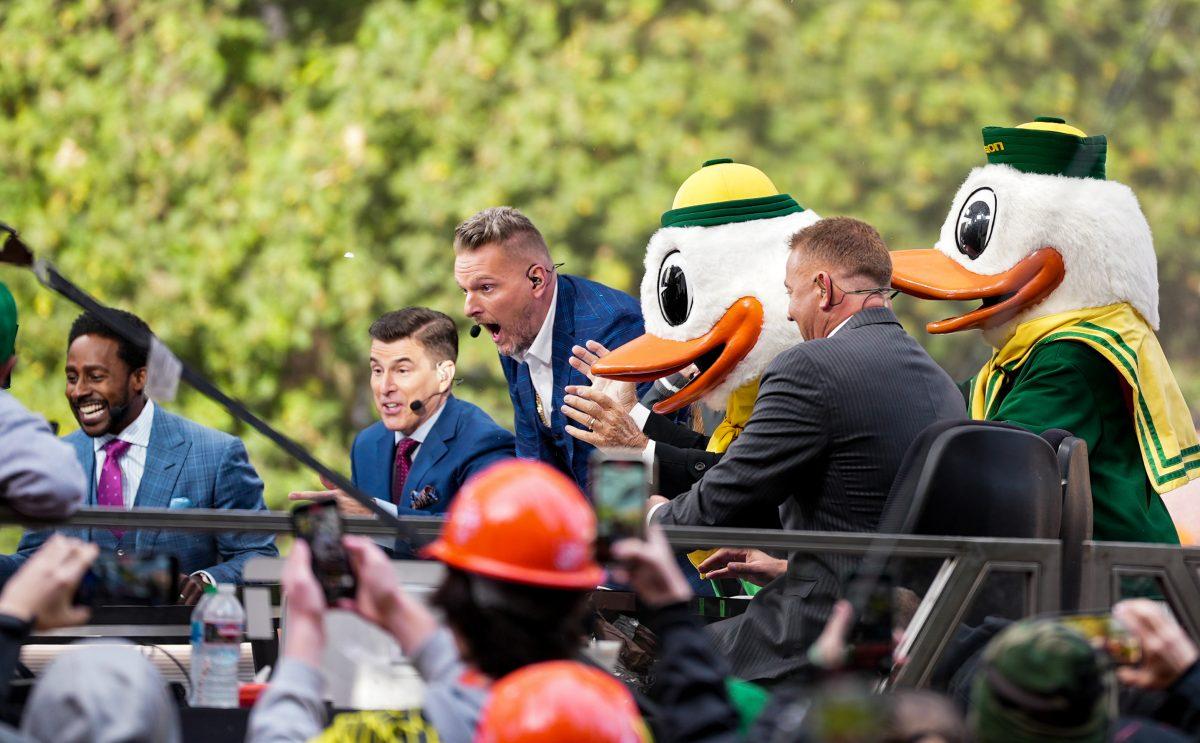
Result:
[90,412]
[715,354]
[493,328]
[929,274]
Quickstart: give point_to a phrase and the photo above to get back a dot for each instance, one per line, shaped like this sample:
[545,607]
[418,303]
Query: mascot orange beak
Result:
[930,274]
[716,352]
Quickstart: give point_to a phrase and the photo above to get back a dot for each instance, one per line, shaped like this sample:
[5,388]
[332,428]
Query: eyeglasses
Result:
[880,290]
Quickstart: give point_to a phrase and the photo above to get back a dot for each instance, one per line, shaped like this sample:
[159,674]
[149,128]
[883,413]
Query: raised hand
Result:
[737,562]
[623,394]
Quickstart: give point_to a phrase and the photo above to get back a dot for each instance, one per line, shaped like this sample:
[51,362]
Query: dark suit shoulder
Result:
[594,300]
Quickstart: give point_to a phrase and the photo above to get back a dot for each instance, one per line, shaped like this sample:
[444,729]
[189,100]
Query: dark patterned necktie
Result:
[402,465]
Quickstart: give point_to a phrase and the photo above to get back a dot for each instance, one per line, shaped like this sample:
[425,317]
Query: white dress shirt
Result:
[133,462]
[419,436]
[539,358]
[641,414]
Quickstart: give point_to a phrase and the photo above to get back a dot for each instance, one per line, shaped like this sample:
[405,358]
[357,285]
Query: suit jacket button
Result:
[120,553]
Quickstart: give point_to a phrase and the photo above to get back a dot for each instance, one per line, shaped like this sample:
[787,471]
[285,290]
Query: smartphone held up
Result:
[320,525]
[619,483]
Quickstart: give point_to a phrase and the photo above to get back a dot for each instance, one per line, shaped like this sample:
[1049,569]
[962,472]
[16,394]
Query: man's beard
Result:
[117,413]
[527,335]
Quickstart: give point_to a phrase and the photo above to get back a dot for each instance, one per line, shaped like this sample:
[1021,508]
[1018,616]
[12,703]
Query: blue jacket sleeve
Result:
[238,487]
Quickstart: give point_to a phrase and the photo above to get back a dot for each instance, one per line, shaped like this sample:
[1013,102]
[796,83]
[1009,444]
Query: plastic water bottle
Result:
[197,622]
[216,651]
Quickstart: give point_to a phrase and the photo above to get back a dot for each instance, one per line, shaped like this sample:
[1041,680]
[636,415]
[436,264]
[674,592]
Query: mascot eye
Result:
[674,300]
[975,222]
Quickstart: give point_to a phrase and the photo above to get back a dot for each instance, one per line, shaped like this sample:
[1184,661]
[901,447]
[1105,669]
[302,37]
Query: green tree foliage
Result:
[210,164]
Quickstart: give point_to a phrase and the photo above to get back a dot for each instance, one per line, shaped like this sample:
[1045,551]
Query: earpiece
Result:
[535,280]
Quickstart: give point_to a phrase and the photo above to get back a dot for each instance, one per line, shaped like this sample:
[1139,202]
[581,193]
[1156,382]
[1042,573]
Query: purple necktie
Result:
[403,464]
[109,490]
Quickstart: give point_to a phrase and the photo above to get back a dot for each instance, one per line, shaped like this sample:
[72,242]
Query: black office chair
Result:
[975,479]
[1076,511]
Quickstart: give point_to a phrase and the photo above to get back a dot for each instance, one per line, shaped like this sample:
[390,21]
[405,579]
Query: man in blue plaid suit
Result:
[535,317]
[136,454]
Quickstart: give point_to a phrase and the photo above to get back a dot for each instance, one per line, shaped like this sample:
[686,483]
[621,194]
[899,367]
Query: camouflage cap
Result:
[1041,681]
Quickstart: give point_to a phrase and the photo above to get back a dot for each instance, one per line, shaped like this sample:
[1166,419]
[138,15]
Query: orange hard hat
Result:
[524,522]
[560,701]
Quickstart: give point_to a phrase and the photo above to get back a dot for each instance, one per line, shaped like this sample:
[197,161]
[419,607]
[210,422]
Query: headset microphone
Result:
[416,406]
[475,331]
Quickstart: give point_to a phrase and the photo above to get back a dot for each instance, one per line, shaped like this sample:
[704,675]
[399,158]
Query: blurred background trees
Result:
[259,179]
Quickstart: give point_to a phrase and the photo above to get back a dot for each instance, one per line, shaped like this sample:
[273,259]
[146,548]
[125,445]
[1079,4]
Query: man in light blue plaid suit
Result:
[136,454]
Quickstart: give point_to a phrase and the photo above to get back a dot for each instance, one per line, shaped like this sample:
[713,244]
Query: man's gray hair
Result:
[500,225]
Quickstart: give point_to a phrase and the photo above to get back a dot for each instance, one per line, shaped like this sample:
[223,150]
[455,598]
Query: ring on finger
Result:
[592,422]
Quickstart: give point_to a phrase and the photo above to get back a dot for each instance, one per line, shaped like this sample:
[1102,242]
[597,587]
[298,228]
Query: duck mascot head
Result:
[713,293]
[1063,265]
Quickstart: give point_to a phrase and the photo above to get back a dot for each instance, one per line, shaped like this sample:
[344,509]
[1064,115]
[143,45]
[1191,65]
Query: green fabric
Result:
[1048,153]
[749,699]
[727,212]
[1067,385]
[8,324]
[1042,663]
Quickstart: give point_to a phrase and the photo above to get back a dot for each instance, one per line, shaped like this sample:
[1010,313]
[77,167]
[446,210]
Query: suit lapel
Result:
[435,445]
[165,454]
[384,448]
[525,411]
[85,453]
[564,339]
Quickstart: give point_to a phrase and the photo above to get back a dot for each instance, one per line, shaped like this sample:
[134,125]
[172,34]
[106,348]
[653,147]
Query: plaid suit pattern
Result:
[187,466]
[586,311]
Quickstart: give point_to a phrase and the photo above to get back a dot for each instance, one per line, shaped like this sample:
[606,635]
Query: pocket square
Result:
[426,497]
[180,503]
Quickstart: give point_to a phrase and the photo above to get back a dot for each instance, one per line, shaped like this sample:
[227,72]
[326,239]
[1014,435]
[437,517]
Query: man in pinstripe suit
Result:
[832,421]
[135,454]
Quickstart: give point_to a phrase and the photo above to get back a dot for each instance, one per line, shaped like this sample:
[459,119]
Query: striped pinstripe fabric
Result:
[832,422]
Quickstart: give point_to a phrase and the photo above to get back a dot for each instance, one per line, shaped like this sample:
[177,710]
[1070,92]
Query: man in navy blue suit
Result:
[535,317]
[427,442]
[137,455]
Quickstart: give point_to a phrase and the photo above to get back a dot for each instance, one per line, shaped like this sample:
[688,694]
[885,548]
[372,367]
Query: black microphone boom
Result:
[474,331]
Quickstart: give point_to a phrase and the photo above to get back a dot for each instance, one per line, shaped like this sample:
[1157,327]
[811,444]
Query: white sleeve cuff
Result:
[648,460]
[388,506]
[652,511]
[640,415]
[204,575]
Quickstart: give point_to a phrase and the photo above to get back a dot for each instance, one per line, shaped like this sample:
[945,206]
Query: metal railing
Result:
[966,565]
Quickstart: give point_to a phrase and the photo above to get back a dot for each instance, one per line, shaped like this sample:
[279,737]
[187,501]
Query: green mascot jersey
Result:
[1065,384]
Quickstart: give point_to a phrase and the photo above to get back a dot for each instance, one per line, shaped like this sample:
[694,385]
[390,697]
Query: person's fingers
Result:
[598,349]
[580,367]
[728,571]
[1134,676]
[311,495]
[841,618]
[586,354]
[596,395]
[366,557]
[587,437]
[718,559]
[326,482]
[582,404]
[630,551]
[75,616]
[577,415]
